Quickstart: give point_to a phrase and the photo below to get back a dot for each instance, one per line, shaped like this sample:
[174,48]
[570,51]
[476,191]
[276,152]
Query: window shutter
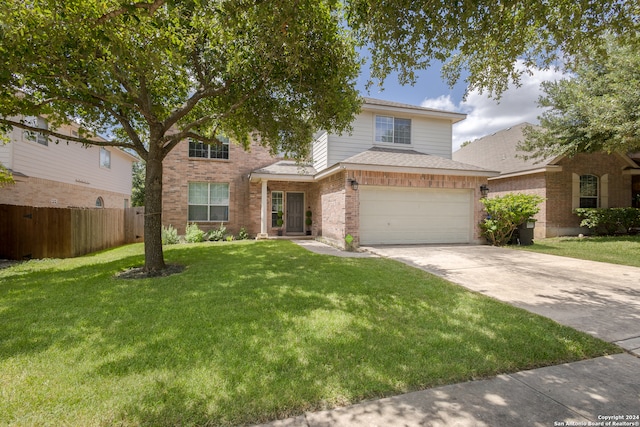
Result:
[575,191]
[604,191]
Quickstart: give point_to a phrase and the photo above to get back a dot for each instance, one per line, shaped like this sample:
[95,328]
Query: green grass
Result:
[249,332]
[623,250]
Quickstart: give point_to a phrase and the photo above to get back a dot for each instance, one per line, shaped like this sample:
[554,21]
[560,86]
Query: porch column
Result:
[263,212]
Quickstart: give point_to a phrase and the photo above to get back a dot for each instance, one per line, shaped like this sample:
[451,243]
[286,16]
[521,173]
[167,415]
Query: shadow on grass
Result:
[255,332]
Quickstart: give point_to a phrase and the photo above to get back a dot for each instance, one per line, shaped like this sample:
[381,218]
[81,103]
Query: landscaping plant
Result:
[505,214]
[193,234]
[609,221]
[170,235]
[217,235]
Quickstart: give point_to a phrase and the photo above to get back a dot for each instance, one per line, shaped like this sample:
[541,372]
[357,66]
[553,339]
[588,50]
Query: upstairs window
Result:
[589,191]
[393,130]
[37,122]
[105,158]
[201,150]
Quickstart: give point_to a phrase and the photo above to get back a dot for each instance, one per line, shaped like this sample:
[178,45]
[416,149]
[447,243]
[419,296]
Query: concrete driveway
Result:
[598,298]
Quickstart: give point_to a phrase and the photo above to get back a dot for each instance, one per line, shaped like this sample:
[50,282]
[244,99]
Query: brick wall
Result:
[40,192]
[556,216]
[332,224]
[179,170]
[340,204]
[310,191]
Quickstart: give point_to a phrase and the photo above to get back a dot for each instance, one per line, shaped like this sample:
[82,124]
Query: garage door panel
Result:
[410,215]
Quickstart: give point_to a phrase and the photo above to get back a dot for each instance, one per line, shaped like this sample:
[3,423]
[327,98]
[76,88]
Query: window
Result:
[210,151]
[393,130]
[99,202]
[276,205]
[40,123]
[588,191]
[208,202]
[105,158]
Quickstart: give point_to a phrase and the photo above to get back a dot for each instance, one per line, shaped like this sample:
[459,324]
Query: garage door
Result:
[410,215]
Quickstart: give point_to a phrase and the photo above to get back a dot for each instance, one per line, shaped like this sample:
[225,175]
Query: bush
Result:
[505,214]
[219,234]
[609,221]
[193,233]
[243,235]
[169,235]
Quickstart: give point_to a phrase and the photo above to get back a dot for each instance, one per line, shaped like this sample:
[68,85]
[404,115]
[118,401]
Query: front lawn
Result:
[623,250]
[249,332]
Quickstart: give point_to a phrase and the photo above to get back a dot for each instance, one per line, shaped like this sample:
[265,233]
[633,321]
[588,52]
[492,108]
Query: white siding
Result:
[71,163]
[319,151]
[6,155]
[428,135]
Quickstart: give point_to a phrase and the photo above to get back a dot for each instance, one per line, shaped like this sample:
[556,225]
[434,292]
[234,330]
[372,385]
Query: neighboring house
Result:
[566,183]
[391,180]
[64,174]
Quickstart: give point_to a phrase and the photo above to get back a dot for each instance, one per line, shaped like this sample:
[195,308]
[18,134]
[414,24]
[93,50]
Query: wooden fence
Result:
[28,232]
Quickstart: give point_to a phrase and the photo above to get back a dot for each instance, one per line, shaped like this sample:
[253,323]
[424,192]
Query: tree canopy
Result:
[597,109]
[481,40]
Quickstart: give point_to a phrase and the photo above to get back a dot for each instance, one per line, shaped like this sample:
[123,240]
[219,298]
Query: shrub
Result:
[219,234]
[243,235]
[608,221]
[193,233]
[505,214]
[169,235]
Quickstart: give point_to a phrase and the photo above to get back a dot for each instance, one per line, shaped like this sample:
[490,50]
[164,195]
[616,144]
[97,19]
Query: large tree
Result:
[154,73]
[596,109]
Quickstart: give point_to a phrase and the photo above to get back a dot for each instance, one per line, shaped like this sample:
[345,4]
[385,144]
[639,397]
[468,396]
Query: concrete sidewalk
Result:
[600,299]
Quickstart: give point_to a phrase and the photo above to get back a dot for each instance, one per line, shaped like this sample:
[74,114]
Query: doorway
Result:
[295,213]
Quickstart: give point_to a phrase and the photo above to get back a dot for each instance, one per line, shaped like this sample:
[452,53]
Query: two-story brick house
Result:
[391,180]
[58,173]
[591,180]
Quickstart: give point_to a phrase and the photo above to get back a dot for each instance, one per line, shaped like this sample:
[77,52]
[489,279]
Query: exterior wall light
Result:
[484,190]
[354,184]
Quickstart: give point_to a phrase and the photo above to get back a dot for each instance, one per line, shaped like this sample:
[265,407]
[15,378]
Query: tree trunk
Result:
[153,255]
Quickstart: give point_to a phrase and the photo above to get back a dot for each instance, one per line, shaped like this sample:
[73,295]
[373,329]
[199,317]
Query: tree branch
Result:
[151,9]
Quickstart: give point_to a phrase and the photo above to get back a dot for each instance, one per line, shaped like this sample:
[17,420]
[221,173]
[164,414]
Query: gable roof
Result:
[375,159]
[390,106]
[288,170]
[499,152]
[383,158]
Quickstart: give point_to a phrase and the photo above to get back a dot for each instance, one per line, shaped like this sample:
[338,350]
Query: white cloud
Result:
[486,116]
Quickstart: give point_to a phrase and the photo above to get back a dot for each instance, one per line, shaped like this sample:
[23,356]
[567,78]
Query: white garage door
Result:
[411,215]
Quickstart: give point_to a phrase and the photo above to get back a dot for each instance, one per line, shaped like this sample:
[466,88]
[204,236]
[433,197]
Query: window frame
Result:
[399,135]
[583,187]
[36,137]
[105,164]
[274,211]
[211,151]
[209,203]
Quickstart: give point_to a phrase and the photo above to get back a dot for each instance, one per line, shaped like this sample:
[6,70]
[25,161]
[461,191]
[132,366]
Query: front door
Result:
[295,212]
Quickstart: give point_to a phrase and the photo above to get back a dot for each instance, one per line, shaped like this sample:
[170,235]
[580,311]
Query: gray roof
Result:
[499,152]
[394,157]
[451,115]
[287,167]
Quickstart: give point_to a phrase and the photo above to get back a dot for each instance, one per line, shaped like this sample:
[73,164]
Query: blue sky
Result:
[484,115]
